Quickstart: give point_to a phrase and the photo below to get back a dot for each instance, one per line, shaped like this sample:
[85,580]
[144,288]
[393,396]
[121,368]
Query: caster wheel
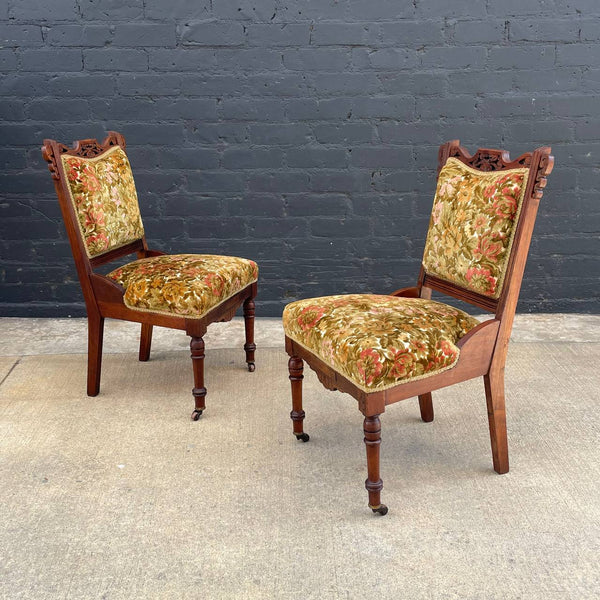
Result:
[251,367]
[196,415]
[382,509]
[302,437]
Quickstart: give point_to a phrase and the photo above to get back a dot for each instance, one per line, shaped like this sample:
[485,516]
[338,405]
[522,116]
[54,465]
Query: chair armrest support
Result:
[409,292]
[107,290]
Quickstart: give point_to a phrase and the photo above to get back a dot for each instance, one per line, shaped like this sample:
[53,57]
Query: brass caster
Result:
[196,415]
[381,509]
[302,437]
[251,367]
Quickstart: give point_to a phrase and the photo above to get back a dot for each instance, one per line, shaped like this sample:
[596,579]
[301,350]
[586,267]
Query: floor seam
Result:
[10,371]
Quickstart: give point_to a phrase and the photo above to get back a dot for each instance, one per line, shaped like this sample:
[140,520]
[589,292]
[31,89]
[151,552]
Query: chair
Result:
[383,349]
[99,205]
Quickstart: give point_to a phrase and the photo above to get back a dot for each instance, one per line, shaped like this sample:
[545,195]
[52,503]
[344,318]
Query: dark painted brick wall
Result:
[302,134]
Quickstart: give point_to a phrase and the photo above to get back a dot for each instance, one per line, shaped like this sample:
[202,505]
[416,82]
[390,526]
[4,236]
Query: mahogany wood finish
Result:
[482,351]
[104,298]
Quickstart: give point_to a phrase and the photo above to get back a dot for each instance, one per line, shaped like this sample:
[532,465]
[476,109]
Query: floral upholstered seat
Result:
[186,285]
[378,341]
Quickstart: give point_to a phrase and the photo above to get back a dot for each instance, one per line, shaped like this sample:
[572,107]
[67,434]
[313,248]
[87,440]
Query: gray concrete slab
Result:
[62,336]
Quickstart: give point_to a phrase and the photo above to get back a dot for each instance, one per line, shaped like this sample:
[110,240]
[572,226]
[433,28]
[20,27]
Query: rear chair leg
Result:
[426,406]
[374,485]
[95,338]
[296,367]
[199,391]
[494,394]
[249,346]
[145,342]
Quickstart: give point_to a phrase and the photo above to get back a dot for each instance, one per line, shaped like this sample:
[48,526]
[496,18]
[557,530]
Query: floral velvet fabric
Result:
[105,201]
[378,342]
[185,285]
[472,226]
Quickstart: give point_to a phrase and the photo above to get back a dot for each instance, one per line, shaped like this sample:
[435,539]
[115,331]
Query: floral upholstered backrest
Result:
[472,225]
[105,201]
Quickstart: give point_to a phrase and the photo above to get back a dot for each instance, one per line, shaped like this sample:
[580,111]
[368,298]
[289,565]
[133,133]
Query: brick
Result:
[160,134]
[51,60]
[82,85]
[217,181]
[12,110]
[316,59]
[282,181]
[304,205]
[246,10]
[77,35]
[544,30]
[283,134]
[340,180]
[578,55]
[413,33]
[258,205]
[112,10]
[121,109]
[149,84]
[58,110]
[454,57]
[310,157]
[248,59]
[8,60]
[395,107]
[529,57]
[20,35]
[380,157]
[213,33]
[202,109]
[352,227]
[112,59]
[12,158]
[384,58]
[308,109]
[277,34]
[479,31]
[343,34]
[347,83]
[177,9]
[181,59]
[57,10]
[253,110]
[252,158]
[347,133]
[144,34]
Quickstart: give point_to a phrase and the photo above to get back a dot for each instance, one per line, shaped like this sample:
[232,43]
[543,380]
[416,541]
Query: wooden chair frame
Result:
[104,297]
[483,350]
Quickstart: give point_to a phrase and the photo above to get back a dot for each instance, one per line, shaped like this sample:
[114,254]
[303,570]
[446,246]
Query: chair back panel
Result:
[104,198]
[475,224]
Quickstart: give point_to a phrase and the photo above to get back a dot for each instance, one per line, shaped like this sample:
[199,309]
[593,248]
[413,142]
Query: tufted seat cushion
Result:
[185,285]
[376,341]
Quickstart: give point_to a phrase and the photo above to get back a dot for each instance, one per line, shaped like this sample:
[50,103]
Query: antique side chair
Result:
[383,349]
[99,205]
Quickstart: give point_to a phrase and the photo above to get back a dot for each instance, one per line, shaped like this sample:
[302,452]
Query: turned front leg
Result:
[296,367]
[199,391]
[374,484]
[249,346]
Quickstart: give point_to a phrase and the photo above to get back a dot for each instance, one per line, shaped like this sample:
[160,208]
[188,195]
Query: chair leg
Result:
[95,338]
[199,391]
[374,484]
[494,394]
[145,342]
[296,367]
[249,346]
[426,406]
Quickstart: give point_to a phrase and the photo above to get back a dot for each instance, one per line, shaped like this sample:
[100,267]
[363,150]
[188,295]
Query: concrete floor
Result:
[122,496]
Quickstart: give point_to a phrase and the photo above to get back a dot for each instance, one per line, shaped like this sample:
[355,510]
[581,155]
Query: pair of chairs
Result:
[378,348]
